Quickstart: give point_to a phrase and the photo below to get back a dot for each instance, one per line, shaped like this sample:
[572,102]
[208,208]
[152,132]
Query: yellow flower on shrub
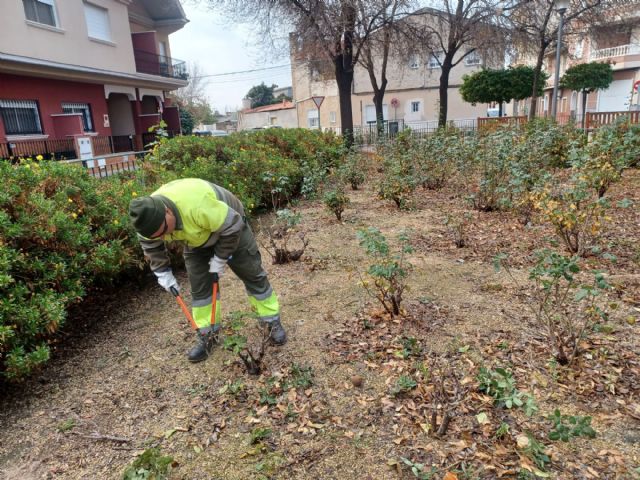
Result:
[39,157]
[70,200]
[74,215]
[134,194]
[116,222]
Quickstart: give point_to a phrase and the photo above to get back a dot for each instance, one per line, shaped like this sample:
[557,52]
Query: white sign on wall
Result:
[85,147]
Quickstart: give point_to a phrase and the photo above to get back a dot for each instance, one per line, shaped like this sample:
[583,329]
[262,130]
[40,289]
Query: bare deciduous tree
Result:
[333,31]
[534,25]
[383,42]
[454,29]
[193,98]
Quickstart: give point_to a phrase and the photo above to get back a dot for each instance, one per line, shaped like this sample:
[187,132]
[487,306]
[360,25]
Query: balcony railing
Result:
[153,64]
[619,51]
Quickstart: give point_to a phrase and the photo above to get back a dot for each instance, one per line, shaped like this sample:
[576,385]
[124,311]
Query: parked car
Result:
[210,133]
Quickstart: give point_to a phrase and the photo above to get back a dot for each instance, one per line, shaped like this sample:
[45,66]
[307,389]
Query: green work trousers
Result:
[246,263]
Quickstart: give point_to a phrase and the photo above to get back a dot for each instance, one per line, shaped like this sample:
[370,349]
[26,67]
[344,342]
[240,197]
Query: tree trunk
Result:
[584,108]
[536,81]
[378,98]
[344,79]
[447,65]
[500,109]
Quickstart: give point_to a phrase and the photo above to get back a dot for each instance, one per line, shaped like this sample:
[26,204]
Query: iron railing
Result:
[64,149]
[154,64]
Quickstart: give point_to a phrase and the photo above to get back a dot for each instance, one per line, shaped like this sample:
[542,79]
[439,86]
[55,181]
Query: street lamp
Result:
[561,7]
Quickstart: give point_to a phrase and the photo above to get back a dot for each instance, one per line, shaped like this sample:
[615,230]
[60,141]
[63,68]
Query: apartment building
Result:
[97,69]
[614,40]
[412,94]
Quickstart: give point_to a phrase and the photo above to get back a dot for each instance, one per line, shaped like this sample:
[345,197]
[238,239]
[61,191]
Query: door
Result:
[616,97]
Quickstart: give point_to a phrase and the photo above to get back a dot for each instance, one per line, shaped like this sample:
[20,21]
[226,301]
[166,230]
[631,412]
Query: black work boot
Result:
[202,349]
[277,333]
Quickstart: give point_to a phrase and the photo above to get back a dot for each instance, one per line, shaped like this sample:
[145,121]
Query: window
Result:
[40,11]
[162,49]
[434,60]
[579,48]
[472,59]
[415,107]
[97,22]
[20,117]
[414,62]
[370,113]
[84,109]
[312,119]
[332,117]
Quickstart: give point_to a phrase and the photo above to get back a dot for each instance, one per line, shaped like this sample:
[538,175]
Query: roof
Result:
[285,105]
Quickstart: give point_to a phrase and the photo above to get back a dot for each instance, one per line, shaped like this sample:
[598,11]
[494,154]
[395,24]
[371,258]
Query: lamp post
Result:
[561,7]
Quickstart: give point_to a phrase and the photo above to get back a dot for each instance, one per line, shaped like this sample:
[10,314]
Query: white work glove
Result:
[167,280]
[216,265]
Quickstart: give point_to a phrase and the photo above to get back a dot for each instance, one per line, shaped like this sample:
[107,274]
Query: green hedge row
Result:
[63,232]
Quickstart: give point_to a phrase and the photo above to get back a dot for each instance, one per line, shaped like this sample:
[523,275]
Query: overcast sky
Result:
[219,46]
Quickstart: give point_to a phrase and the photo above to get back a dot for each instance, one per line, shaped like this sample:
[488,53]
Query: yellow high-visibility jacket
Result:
[206,215]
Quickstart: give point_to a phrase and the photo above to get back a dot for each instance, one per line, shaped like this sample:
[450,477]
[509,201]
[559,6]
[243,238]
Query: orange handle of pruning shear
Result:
[184,307]
[214,299]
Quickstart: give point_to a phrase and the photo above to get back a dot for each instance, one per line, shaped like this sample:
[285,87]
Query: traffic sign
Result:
[318,101]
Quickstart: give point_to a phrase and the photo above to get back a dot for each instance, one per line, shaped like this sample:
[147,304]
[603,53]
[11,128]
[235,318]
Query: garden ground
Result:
[125,385]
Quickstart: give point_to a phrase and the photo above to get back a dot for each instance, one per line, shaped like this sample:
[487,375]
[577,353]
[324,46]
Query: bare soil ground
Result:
[125,385]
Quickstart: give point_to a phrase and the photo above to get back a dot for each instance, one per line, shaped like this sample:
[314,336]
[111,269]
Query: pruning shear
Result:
[185,310]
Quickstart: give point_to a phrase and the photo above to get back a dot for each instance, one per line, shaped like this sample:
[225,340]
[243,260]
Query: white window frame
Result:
[434,59]
[32,104]
[313,119]
[333,117]
[83,109]
[473,59]
[104,36]
[415,106]
[414,61]
[579,48]
[545,103]
[54,13]
[162,49]
[370,113]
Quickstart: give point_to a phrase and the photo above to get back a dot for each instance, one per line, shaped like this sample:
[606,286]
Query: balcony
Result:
[619,51]
[154,64]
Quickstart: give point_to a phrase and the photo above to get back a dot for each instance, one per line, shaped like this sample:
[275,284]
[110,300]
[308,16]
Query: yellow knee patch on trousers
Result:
[202,315]
[268,308]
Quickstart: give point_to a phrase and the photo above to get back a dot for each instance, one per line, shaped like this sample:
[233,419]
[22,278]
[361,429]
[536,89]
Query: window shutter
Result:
[97,22]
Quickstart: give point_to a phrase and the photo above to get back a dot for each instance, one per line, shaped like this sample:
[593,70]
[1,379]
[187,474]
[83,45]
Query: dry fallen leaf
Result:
[522,441]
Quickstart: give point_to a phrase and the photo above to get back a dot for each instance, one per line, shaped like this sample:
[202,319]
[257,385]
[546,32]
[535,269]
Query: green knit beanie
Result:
[147,215]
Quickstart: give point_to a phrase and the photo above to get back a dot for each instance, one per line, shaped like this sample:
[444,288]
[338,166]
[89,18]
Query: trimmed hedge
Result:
[262,168]
[63,232]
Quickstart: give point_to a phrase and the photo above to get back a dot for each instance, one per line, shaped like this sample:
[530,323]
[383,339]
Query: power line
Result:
[243,71]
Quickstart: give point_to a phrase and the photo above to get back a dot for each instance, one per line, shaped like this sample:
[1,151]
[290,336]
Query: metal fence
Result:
[64,149]
[370,134]
[99,168]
